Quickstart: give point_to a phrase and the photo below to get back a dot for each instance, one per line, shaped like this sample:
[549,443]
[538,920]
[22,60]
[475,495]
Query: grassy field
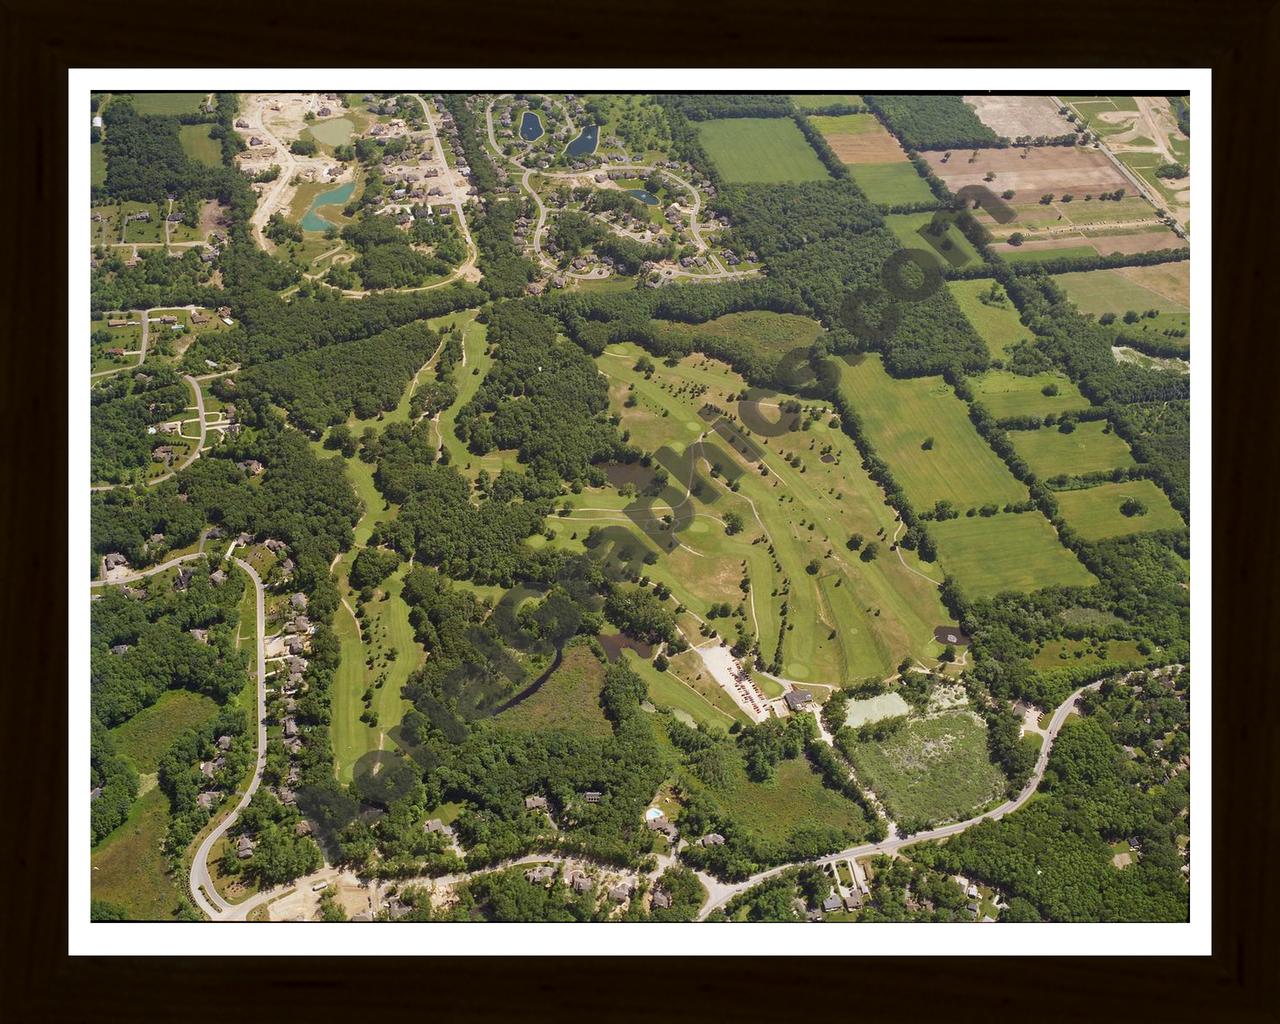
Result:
[1087,449]
[97,164]
[817,101]
[794,799]
[1065,653]
[197,144]
[129,869]
[763,332]
[569,699]
[998,325]
[951,246]
[1020,551]
[1005,394]
[1095,514]
[899,415]
[144,231]
[167,102]
[849,620]
[764,150]
[846,124]
[147,736]
[1114,291]
[932,769]
[892,184]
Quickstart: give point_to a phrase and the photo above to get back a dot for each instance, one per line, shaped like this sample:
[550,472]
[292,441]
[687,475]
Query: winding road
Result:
[721,892]
[200,882]
[195,452]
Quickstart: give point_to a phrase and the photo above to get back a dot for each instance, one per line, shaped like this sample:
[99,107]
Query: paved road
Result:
[721,892]
[200,882]
[133,575]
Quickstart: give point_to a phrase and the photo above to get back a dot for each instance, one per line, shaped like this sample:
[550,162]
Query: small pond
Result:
[585,143]
[336,132]
[530,126]
[648,198]
[334,197]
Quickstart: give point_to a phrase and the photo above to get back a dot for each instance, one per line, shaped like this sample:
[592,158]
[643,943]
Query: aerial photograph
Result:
[637,507]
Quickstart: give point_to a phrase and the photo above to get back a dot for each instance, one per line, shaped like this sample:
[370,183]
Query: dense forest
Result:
[932,122]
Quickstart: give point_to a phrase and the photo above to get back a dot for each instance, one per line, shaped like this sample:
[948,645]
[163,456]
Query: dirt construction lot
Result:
[1034,172]
[1013,116]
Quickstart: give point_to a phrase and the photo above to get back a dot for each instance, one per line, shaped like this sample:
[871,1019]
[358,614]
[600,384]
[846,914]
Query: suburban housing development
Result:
[639,507]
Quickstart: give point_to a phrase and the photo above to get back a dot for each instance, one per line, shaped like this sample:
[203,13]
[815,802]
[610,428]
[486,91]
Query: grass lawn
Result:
[1087,449]
[144,230]
[998,325]
[197,144]
[817,101]
[1006,552]
[846,124]
[167,102]
[1037,255]
[1095,514]
[899,415]
[951,245]
[568,700]
[794,799]
[931,769]
[129,869]
[764,150]
[147,736]
[763,332]
[1005,394]
[892,184]
[97,164]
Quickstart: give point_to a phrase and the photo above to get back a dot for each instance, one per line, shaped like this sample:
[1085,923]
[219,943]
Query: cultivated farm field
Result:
[875,159]
[167,102]
[1165,286]
[1030,173]
[1009,551]
[763,150]
[1095,514]
[899,415]
[1089,448]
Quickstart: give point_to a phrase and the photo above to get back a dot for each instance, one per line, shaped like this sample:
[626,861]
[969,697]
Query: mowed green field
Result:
[764,150]
[998,325]
[932,769]
[97,164]
[197,144]
[1065,252]
[568,700]
[891,184]
[1095,514]
[1115,291]
[709,706]
[819,101]
[1005,394]
[167,102]
[899,415]
[129,869]
[1009,551]
[148,735]
[951,245]
[846,124]
[1090,448]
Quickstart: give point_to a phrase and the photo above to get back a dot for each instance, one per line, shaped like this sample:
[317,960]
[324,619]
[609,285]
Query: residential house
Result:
[434,825]
[183,579]
[661,900]
[621,892]
[120,649]
[244,848]
[711,839]
[540,875]
[217,577]
[592,796]
[535,803]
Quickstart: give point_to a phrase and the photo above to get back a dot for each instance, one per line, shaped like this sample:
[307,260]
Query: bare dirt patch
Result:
[1170,281]
[1038,170]
[213,217]
[1145,241]
[873,147]
[1013,116]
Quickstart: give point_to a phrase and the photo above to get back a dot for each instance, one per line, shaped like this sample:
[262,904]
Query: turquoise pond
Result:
[586,142]
[645,197]
[336,197]
[530,126]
